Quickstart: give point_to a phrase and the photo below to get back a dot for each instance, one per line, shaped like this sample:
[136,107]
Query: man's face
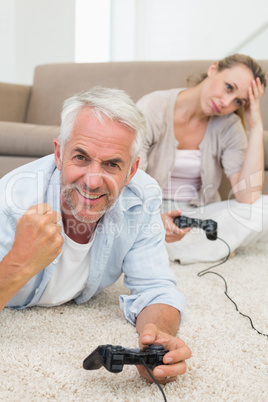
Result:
[96,165]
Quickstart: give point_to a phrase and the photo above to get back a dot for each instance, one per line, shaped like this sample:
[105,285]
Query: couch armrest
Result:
[27,140]
[14,101]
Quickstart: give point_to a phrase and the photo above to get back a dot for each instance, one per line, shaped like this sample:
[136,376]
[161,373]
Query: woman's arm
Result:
[247,184]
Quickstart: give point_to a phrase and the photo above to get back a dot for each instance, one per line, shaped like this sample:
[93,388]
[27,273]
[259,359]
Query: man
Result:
[72,223]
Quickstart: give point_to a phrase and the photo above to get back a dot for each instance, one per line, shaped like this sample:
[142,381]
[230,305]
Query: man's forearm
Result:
[165,317]
[12,279]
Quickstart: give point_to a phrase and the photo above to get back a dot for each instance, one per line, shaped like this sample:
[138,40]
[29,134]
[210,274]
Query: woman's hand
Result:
[252,110]
[173,233]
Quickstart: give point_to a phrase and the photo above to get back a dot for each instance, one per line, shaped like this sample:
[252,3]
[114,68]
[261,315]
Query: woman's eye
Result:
[238,102]
[229,87]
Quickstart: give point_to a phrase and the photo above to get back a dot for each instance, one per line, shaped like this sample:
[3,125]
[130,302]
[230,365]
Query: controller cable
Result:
[207,271]
[200,274]
[155,380]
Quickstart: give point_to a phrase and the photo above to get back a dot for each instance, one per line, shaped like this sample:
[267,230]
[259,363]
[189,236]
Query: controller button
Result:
[116,368]
[118,357]
[156,347]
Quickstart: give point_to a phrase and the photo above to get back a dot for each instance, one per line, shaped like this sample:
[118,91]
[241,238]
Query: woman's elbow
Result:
[248,197]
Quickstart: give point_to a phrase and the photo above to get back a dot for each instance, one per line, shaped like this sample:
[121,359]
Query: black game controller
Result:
[208,225]
[113,358]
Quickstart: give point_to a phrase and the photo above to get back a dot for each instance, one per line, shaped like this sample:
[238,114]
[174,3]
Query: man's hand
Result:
[37,243]
[174,360]
[173,233]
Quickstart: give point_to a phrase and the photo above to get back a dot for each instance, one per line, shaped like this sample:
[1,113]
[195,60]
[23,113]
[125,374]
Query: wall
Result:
[192,29]
[92,31]
[34,32]
[7,40]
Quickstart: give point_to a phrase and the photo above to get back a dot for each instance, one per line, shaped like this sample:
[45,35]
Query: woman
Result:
[194,133]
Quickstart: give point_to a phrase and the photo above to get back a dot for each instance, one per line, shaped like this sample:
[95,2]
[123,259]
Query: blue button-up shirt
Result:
[129,239]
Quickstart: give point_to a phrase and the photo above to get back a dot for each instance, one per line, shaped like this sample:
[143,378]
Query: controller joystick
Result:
[208,225]
[113,358]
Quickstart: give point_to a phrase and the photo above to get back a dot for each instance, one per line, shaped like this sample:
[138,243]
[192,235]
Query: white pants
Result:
[238,224]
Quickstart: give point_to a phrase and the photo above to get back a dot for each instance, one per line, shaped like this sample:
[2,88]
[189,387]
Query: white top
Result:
[223,145]
[185,180]
[70,275]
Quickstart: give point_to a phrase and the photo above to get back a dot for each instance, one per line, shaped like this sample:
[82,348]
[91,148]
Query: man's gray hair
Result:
[111,103]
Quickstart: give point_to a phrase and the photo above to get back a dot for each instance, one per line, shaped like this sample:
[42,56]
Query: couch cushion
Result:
[53,83]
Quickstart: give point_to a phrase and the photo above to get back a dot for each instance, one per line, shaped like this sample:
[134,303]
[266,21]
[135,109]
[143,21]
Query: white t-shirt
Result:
[70,275]
[185,179]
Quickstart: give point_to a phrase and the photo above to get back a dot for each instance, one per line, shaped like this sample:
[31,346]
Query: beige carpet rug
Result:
[42,350]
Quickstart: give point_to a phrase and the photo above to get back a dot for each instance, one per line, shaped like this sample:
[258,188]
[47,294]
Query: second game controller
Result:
[208,225]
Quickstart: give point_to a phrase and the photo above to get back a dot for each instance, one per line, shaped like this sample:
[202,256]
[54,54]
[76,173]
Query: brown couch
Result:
[30,115]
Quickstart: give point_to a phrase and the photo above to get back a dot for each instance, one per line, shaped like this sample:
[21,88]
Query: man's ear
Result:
[133,169]
[57,153]
[213,69]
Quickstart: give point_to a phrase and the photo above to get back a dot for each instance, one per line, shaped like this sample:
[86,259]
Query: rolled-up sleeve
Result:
[234,146]
[132,305]
[148,275]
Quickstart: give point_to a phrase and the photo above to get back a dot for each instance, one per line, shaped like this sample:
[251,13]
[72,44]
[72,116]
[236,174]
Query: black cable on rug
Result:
[155,380]
[207,271]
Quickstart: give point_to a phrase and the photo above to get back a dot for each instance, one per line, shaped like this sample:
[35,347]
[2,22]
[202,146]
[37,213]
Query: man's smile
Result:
[90,197]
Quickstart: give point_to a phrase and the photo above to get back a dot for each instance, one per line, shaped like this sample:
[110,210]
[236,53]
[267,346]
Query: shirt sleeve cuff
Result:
[132,305]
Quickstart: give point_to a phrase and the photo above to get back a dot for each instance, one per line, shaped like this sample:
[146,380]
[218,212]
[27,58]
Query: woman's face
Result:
[225,91]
